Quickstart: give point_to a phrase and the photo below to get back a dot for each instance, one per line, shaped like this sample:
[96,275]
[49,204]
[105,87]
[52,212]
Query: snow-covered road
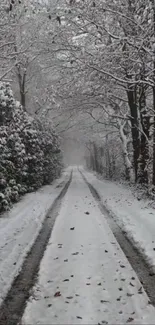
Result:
[84,276]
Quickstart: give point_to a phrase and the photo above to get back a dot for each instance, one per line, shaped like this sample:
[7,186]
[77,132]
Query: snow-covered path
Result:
[84,276]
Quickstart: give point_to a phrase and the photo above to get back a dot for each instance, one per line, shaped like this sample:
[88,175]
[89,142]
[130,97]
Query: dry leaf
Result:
[57,294]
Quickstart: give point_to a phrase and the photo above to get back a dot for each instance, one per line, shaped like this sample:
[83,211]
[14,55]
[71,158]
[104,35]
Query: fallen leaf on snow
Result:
[119,299]
[129,294]
[130,319]
[140,290]
[57,294]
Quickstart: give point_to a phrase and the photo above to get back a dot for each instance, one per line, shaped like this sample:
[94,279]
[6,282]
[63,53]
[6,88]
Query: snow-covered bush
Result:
[30,153]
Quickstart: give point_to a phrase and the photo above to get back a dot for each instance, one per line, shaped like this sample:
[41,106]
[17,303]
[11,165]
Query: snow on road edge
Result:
[134,217]
[19,229]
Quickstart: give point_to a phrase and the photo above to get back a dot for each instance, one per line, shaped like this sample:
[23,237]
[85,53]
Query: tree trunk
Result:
[132,101]
[22,81]
[128,165]
[144,147]
[153,180]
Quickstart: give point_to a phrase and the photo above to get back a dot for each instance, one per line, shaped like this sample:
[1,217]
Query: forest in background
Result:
[87,69]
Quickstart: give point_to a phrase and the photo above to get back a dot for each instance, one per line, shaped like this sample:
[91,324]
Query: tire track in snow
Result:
[138,263]
[13,306]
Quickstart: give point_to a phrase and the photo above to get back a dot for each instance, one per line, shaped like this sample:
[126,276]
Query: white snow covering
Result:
[135,217]
[84,276]
[19,228]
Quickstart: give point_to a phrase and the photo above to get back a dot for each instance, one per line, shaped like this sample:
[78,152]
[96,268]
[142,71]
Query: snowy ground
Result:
[20,227]
[84,276]
[133,216]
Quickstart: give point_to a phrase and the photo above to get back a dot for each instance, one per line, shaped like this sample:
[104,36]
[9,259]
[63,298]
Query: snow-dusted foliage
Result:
[30,154]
